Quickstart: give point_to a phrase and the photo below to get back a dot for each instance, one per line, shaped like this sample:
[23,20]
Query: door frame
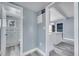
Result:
[76,28]
[3,32]
[3,40]
[47,25]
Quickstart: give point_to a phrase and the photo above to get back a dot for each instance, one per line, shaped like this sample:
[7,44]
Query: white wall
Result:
[54,38]
[68,28]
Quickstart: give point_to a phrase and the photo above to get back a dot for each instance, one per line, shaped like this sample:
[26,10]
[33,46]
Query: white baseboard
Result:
[32,50]
[41,52]
[69,39]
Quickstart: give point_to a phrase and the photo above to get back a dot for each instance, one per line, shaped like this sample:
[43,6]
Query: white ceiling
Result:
[55,14]
[35,6]
[61,11]
[65,8]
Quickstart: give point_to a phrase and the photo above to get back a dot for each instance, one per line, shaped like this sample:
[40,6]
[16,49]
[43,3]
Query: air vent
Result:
[42,11]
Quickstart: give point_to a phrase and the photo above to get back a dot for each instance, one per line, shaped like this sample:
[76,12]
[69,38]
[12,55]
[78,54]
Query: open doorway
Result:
[60,40]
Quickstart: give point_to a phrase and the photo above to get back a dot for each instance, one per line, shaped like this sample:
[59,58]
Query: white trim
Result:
[3,32]
[41,52]
[76,28]
[21,40]
[50,4]
[68,39]
[32,50]
[47,25]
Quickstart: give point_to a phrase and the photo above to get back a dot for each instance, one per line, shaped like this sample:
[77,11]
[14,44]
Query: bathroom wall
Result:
[56,37]
[29,29]
[41,33]
[68,27]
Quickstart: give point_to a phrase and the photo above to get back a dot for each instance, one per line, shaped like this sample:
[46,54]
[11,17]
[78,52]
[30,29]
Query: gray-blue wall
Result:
[41,34]
[29,29]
